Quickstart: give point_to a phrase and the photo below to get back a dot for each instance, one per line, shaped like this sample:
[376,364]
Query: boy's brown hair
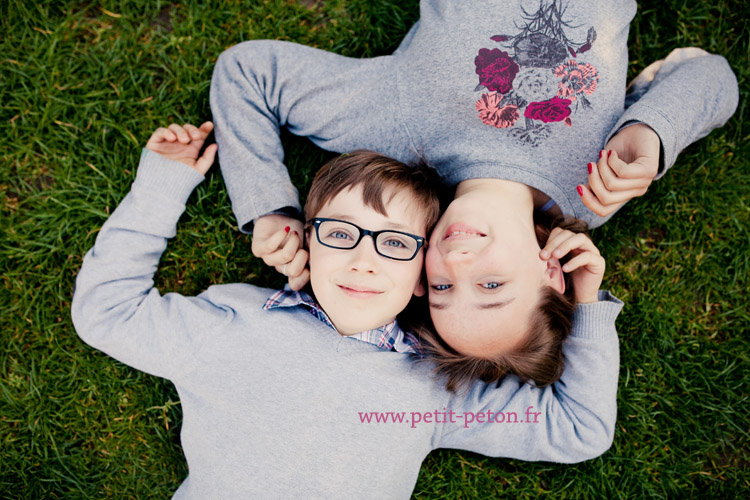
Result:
[377,174]
[538,357]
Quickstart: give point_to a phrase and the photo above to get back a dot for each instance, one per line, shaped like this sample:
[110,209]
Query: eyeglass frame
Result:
[317,221]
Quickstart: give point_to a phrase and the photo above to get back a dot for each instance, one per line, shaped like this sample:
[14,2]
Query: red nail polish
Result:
[600,154]
[609,154]
[580,190]
[287,229]
[591,167]
[296,233]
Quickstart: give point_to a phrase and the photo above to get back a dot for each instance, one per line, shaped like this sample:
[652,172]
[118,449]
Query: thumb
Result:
[205,161]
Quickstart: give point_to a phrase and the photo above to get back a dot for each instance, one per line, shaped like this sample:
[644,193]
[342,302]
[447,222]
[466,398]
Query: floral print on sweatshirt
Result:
[539,75]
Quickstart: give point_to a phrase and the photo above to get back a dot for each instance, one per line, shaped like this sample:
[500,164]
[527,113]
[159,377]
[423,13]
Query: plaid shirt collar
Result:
[389,337]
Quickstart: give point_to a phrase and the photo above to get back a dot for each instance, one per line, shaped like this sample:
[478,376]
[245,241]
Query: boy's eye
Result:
[441,288]
[491,285]
[339,235]
[394,243]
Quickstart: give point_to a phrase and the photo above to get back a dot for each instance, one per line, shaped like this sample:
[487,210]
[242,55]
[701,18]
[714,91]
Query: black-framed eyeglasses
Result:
[396,245]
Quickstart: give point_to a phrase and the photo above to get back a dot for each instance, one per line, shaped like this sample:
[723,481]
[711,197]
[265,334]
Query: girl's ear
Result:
[554,275]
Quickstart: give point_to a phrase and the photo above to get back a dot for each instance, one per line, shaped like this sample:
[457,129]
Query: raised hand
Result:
[183,143]
[625,169]
[586,264]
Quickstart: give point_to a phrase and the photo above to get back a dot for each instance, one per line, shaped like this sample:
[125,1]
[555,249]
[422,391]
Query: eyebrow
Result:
[490,305]
[391,225]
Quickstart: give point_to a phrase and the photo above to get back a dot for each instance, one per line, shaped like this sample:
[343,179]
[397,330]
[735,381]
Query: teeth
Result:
[461,232]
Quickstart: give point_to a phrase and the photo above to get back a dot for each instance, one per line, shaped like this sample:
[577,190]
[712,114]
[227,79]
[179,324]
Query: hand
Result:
[183,144]
[586,265]
[277,240]
[625,169]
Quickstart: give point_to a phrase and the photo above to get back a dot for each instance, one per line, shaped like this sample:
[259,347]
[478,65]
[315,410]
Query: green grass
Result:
[82,85]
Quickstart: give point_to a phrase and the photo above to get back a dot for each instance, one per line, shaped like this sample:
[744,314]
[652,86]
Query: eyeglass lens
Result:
[344,235]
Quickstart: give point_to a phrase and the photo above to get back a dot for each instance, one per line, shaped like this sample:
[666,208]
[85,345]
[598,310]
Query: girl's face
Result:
[484,272]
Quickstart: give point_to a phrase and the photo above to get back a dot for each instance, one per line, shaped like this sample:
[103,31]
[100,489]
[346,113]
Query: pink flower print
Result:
[492,114]
[577,78]
[496,70]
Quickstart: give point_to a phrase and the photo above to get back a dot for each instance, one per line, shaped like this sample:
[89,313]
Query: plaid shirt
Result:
[389,337]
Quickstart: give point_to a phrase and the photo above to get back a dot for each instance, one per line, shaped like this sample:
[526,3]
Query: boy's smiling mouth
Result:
[359,292]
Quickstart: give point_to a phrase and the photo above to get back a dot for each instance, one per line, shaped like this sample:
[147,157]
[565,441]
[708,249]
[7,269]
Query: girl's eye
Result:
[441,288]
[491,285]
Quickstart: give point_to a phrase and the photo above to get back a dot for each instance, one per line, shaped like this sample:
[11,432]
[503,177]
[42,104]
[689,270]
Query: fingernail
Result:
[600,154]
[296,233]
[580,190]
[609,154]
[545,254]
[287,229]
[591,167]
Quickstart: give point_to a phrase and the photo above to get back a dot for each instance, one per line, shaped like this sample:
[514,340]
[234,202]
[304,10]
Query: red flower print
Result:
[554,110]
[577,78]
[496,70]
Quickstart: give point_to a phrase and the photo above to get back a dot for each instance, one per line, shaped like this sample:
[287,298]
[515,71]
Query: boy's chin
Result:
[355,328]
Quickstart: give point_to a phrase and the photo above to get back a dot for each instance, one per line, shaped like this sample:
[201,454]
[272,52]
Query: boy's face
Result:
[359,289]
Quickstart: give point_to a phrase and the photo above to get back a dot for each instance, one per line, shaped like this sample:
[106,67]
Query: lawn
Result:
[82,85]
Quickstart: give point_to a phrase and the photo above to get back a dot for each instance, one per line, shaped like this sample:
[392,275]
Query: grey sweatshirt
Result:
[278,405]
[477,89]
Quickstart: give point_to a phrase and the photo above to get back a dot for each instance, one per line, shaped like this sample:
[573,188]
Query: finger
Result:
[297,265]
[591,262]
[576,243]
[608,169]
[604,195]
[262,246]
[193,131]
[555,238]
[180,132]
[206,128]
[591,202]
[162,134]
[642,167]
[204,162]
[285,254]
[298,282]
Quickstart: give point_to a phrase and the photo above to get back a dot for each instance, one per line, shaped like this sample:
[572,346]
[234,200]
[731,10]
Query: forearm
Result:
[115,307]
[339,103]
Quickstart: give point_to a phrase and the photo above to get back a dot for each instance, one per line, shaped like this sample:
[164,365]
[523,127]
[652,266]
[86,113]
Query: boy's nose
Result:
[364,258]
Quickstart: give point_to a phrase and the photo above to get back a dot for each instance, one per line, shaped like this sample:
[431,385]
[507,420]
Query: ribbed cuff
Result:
[597,319]
[169,179]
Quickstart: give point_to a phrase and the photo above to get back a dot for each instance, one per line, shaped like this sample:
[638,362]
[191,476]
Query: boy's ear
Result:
[554,275]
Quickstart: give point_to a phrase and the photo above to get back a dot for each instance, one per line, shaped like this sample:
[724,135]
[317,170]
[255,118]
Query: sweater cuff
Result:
[597,319]
[169,179]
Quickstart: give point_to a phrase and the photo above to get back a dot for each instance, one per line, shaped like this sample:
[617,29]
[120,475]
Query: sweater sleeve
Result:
[115,307]
[340,103]
[682,98]
[570,421]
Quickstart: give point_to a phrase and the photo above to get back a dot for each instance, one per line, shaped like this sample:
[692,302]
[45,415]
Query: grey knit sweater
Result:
[477,89]
[276,404]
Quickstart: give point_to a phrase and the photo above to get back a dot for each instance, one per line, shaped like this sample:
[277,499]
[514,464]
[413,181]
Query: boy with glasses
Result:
[283,394]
